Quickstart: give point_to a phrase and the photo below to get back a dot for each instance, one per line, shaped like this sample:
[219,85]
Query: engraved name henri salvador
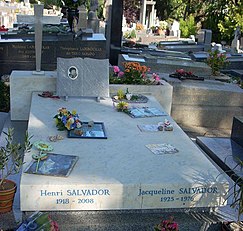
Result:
[77,192]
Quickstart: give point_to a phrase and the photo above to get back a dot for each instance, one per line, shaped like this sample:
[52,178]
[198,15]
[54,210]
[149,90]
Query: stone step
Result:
[132,220]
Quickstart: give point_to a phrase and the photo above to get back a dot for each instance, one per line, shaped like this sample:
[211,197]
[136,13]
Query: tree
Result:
[131,10]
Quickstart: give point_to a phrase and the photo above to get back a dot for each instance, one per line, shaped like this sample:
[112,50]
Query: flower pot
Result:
[7,196]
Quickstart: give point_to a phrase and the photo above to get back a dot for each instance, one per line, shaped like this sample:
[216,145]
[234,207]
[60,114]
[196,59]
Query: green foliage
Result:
[4,97]
[130,34]
[131,10]
[12,154]
[232,18]
[188,27]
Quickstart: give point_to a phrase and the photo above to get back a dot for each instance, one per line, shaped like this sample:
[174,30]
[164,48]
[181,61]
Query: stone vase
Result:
[7,196]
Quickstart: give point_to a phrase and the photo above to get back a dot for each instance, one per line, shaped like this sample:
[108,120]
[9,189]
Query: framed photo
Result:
[73,72]
[54,165]
[96,130]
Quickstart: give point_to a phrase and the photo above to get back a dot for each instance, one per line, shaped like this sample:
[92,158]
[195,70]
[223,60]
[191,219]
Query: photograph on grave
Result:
[89,130]
[69,77]
[140,112]
[160,149]
[73,73]
[53,165]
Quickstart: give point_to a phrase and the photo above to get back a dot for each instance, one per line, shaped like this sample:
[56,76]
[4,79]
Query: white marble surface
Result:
[23,83]
[119,168]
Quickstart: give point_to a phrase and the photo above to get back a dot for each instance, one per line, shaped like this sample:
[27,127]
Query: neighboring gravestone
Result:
[204,37]
[38,9]
[93,22]
[167,64]
[82,20]
[237,130]
[19,54]
[82,77]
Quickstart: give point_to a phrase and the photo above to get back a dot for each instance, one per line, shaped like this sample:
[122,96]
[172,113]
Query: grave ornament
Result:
[235,45]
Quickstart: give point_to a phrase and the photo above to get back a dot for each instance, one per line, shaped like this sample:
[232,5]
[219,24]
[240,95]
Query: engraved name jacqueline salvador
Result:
[164,191]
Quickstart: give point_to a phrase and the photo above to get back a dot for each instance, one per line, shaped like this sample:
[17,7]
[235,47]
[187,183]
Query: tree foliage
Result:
[131,10]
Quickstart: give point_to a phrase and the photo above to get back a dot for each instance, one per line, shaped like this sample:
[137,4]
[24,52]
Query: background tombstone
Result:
[116,31]
[82,21]
[93,22]
[82,77]
[38,9]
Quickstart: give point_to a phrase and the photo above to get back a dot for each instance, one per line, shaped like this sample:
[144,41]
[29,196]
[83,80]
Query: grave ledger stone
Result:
[119,172]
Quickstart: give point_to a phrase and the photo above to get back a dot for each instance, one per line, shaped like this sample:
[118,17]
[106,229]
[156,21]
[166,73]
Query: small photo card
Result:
[160,149]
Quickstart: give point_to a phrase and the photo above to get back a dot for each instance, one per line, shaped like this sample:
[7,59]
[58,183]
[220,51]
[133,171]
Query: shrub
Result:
[4,97]
[188,27]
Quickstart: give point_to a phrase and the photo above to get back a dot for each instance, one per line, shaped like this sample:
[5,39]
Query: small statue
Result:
[235,45]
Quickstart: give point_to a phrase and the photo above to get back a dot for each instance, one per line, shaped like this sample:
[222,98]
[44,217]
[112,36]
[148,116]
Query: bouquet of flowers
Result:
[39,221]
[167,225]
[134,73]
[66,120]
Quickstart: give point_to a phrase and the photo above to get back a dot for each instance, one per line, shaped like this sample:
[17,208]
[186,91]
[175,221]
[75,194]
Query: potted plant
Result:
[11,161]
[134,73]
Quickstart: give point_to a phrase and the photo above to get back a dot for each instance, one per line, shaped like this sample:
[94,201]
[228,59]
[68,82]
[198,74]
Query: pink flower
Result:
[120,73]
[156,77]
[116,69]
[180,71]
[175,226]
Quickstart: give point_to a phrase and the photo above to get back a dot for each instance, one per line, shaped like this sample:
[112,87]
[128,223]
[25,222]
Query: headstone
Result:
[168,64]
[82,20]
[19,54]
[82,77]
[93,22]
[204,37]
[116,31]
[237,130]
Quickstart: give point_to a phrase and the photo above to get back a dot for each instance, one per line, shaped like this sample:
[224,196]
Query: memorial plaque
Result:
[18,54]
[83,77]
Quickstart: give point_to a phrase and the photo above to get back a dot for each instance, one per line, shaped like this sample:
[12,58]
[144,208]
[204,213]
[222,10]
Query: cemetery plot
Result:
[119,172]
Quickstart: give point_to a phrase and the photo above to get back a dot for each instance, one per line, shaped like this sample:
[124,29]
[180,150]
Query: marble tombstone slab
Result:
[167,64]
[119,172]
[83,77]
